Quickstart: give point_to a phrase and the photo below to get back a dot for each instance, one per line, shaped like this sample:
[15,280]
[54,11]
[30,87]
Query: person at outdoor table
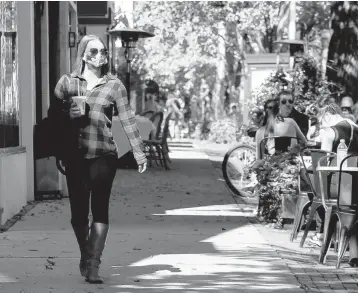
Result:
[335,127]
[346,105]
[256,117]
[152,102]
[91,167]
[273,124]
[274,200]
[355,113]
[313,131]
[287,110]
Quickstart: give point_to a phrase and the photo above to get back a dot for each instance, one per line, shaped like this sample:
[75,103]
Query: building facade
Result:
[30,32]
[95,18]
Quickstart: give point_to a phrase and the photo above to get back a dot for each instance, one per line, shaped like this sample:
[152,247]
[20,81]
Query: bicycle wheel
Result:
[233,165]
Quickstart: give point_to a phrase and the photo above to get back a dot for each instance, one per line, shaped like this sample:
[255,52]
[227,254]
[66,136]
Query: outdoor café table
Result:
[145,126]
[345,198]
[350,170]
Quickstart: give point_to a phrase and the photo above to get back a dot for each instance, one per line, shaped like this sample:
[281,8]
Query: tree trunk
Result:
[325,37]
[218,91]
[260,44]
[292,28]
[241,72]
[232,63]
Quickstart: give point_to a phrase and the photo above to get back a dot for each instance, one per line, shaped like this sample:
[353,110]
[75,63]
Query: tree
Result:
[183,53]
[343,47]
[205,43]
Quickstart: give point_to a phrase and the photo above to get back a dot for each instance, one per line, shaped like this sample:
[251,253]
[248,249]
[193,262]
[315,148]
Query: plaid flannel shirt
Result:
[96,137]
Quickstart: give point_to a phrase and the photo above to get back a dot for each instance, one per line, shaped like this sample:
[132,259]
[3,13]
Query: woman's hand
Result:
[74,111]
[142,168]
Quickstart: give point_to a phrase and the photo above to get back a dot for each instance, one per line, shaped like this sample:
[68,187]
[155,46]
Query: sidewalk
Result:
[171,231]
[302,262]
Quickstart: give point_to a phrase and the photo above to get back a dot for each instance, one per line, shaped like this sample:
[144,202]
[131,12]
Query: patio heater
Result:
[129,38]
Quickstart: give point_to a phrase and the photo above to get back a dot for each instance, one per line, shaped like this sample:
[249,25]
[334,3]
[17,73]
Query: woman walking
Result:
[92,93]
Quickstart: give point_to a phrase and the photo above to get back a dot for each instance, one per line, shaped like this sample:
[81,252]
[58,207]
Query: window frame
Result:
[9,73]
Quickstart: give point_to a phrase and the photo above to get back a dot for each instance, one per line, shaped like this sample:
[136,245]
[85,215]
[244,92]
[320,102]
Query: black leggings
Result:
[95,177]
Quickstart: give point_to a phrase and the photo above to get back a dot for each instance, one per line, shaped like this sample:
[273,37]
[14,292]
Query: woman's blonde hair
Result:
[333,109]
[80,64]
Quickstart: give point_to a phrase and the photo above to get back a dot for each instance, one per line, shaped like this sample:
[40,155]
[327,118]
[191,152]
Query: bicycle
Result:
[235,167]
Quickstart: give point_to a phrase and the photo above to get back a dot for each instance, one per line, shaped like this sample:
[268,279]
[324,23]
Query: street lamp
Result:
[129,38]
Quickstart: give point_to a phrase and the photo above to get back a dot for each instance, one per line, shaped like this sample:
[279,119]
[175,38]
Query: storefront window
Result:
[9,99]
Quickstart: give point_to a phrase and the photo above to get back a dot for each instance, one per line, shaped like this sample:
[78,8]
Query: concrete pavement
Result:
[171,231]
[302,262]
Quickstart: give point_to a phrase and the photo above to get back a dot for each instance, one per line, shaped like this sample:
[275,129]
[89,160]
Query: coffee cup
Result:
[81,103]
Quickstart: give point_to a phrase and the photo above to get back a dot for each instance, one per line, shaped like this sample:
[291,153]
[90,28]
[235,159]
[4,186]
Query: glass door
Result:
[9,98]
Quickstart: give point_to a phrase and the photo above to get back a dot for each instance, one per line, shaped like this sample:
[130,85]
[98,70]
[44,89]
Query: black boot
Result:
[82,234]
[97,241]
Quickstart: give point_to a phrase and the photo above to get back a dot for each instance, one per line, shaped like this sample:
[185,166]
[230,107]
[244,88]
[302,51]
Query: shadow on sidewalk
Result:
[171,231]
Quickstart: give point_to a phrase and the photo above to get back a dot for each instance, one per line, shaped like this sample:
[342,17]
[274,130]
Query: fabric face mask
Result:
[95,59]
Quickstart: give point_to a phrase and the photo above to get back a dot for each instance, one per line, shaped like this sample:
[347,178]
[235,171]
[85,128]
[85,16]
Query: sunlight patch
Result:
[216,272]
[237,238]
[205,264]
[166,288]
[6,279]
[193,155]
[232,210]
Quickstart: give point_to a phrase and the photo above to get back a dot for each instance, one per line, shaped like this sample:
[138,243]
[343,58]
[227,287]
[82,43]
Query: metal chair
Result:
[158,148]
[344,214]
[157,120]
[317,200]
[304,198]
[148,114]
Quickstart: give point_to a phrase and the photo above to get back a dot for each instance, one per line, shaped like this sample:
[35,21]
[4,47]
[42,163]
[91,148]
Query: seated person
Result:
[273,203]
[355,112]
[287,110]
[256,116]
[335,127]
[273,124]
[152,102]
[313,131]
[346,105]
